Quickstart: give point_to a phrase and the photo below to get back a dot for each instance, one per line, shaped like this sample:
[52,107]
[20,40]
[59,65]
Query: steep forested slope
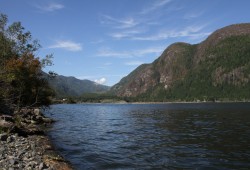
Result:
[216,69]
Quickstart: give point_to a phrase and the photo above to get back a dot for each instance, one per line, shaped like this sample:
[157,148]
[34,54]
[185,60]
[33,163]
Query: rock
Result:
[47,120]
[25,145]
[3,137]
[34,130]
[42,166]
[39,118]
[6,124]
[33,154]
[33,146]
[29,155]
[33,122]
[37,112]
[13,161]
[10,139]
[2,149]
[20,153]
[32,164]
[7,118]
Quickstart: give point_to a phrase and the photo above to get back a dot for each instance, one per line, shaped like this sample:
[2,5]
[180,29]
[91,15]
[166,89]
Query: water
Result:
[153,136]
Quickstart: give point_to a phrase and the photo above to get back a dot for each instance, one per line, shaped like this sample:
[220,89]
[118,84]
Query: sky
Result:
[104,40]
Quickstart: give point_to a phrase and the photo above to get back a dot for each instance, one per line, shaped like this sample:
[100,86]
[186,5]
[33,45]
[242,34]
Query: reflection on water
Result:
[164,136]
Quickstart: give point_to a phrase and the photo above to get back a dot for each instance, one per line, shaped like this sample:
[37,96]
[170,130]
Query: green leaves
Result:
[21,71]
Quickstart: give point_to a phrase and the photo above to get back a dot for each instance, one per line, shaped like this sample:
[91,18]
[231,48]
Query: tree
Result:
[22,81]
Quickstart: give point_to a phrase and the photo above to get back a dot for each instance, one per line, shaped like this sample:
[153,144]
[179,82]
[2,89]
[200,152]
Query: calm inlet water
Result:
[149,136]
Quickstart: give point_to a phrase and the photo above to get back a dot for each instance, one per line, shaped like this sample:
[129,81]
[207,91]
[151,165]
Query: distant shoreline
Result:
[175,102]
[183,102]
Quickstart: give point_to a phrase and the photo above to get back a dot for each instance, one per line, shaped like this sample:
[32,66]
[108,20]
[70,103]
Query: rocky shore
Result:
[24,145]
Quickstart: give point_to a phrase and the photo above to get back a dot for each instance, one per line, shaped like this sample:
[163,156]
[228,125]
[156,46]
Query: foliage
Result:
[71,100]
[21,79]
[98,98]
[223,74]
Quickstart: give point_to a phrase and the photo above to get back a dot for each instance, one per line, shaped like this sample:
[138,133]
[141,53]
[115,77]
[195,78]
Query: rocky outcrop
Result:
[169,67]
[140,83]
[24,145]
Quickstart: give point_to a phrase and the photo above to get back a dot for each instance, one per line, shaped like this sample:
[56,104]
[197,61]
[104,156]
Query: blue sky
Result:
[104,40]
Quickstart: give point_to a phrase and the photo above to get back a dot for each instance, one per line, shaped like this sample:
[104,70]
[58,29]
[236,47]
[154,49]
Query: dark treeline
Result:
[90,98]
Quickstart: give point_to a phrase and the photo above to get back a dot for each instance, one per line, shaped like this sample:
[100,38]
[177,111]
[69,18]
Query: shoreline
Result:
[174,102]
[24,143]
[186,102]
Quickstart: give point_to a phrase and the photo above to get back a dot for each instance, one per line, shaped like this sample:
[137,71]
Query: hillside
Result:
[216,69]
[71,86]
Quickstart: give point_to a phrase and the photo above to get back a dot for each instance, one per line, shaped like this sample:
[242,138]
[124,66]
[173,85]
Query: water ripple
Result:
[169,136]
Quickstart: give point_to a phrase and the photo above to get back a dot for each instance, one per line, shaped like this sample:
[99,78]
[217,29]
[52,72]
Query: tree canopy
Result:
[22,81]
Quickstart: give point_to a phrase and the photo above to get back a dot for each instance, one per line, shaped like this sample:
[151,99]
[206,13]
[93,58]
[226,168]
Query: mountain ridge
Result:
[70,86]
[209,70]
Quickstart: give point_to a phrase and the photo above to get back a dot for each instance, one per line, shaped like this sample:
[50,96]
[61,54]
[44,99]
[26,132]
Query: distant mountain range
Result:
[71,86]
[215,69]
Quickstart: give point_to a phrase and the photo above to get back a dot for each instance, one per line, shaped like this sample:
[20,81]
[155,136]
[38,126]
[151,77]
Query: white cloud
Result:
[156,5]
[67,45]
[133,63]
[125,34]
[128,22]
[101,80]
[50,7]
[107,52]
[190,31]
[194,31]
[193,15]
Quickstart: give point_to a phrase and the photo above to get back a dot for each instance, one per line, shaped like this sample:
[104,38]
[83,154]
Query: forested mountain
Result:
[71,86]
[216,69]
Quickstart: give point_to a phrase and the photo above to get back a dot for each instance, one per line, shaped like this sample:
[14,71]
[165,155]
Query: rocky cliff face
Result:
[139,81]
[223,59]
[171,66]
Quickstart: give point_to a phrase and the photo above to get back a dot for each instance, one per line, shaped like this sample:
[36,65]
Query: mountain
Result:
[71,86]
[215,69]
